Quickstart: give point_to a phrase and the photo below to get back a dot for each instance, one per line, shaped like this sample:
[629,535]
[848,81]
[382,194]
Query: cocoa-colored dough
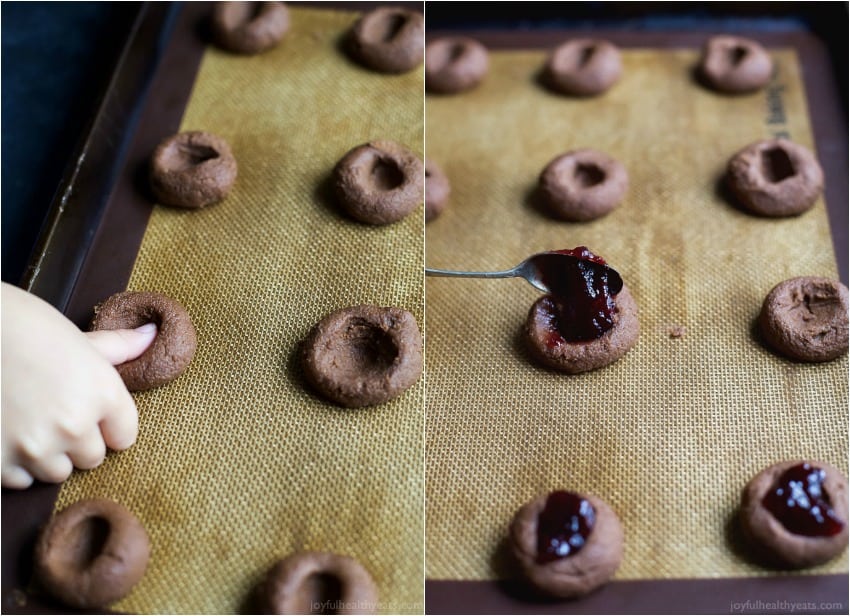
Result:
[805,318]
[172,349]
[249,27]
[775,177]
[574,575]
[363,355]
[575,357]
[582,185]
[91,554]
[318,583]
[583,67]
[455,64]
[772,540]
[379,182]
[192,170]
[388,39]
[735,65]
[437,190]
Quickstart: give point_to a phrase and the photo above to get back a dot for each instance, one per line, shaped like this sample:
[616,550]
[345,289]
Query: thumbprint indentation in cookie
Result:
[255,10]
[814,305]
[588,175]
[88,539]
[324,589]
[776,165]
[586,54]
[736,54]
[184,156]
[391,27]
[385,174]
[368,348]
[447,56]
[387,28]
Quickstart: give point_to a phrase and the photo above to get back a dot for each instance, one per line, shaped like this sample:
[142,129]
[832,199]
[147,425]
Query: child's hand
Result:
[63,402]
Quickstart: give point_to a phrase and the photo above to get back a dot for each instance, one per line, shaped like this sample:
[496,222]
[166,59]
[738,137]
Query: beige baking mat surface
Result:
[237,464]
[670,434]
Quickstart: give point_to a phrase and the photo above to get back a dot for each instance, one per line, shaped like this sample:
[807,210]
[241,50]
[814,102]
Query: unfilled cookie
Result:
[805,318]
[363,355]
[91,554]
[567,544]
[775,178]
[249,27]
[318,583]
[192,170]
[455,64]
[437,190]
[735,65]
[379,182]
[583,67]
[795,513]
[388,39]
[582,185]
[169,354]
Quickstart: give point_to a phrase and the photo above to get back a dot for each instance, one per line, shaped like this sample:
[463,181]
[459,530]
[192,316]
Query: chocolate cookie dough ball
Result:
[363,355]
[379,182]
[437,190]
[169,354]
[388,39]
[735,65]
[795,513]
[192,170]
[249,27]
[304,582]
[582,185]
[455,64]
[91,554]
[567,544]
[805,318]
[583,67]
[775,178]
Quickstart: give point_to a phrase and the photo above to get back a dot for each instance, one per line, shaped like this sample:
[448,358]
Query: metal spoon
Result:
[536,267]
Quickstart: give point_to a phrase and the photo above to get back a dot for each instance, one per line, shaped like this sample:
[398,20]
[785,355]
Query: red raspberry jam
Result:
[563,526]
[800,503]
[582,306]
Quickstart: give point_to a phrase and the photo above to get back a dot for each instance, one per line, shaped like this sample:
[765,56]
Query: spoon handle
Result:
[455,274]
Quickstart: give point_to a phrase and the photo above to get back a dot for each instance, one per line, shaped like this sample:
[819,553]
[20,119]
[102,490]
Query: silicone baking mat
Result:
[238,463]
[669,435]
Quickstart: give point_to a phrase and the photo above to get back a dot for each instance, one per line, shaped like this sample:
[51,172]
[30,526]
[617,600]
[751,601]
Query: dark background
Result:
[57,59]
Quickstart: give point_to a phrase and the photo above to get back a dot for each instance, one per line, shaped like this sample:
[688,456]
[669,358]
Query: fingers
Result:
[52,469]
[85,452]
[120,423]
[88,451]
[16,477]
[122,345]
